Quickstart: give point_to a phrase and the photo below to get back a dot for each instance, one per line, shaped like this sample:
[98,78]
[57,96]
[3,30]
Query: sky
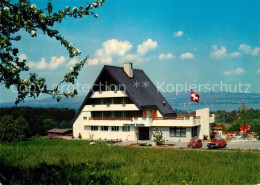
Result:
[177,43]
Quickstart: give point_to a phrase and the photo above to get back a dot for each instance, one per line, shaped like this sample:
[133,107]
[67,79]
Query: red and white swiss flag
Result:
[194,96]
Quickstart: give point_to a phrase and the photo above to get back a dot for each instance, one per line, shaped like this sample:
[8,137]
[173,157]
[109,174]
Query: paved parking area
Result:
[244,145]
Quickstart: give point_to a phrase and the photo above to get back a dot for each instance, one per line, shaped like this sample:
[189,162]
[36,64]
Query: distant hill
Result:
[216,101]
[73,103]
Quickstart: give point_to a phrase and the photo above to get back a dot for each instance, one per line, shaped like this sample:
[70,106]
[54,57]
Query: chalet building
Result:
[124,104]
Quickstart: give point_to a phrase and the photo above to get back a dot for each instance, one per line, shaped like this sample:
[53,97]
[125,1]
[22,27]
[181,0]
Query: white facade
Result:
[86,125]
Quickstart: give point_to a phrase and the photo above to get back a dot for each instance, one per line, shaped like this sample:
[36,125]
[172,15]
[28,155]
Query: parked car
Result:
[195,143]
[217,143]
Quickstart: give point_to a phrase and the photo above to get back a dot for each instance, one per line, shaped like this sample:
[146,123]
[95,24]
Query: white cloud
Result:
[165,56]
[227,73]
[106,60]
[220,53]
[235,54]
[114,47]
[258,71]
[100,52]
[72,62]
[117,51]
[22,57]
[111,48]
[255,51]
[146,46]
[187,55]
[245,48]
[93,62]
[178,33]
[130,57]
[31,64]
[248,50]
[56,62]
[237,71]
[42,64]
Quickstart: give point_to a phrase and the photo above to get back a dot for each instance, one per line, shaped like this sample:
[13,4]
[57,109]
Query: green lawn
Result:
[44,161]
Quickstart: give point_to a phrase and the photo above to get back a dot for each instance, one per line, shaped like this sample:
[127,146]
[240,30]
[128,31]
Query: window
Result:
[194,131]
[94,127]
[107,101]
[115,128]
[104,128]
[126,129]
[85,118]
[177,132]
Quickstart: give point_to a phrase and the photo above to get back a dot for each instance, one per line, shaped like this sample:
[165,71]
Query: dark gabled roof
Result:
[144,97]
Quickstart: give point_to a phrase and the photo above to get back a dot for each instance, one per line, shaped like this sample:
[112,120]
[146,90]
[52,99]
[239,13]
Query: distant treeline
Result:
[232,121]
[40,119]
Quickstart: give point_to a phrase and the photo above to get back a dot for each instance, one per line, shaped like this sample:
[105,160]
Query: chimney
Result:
[164,103]
[128,68]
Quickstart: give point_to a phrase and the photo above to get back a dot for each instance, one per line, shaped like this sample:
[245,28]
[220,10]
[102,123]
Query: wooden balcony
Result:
[169,118]
[186,115]
[175,118]
[109,118]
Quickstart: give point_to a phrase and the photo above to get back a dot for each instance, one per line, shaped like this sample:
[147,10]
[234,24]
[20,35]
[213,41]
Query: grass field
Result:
[44,161]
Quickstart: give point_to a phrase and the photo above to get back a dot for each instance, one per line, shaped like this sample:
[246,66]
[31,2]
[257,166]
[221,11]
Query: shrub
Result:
[80,137]
[205,137]
[158,137]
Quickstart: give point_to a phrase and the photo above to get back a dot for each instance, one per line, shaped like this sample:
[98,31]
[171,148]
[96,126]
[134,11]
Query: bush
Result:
[205,137]
[158,137]
[80,137]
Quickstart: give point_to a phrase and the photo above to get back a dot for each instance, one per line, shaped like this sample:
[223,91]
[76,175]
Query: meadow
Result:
[54,161]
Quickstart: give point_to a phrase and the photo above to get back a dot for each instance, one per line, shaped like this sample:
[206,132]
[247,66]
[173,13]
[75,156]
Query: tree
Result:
[235,126]
[244,114]
[22,15]
[21,129]
[13,130]
[47,125]
[6,128]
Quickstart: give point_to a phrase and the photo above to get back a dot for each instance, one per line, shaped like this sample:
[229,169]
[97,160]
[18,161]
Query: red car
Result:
[217,143]
[195,143]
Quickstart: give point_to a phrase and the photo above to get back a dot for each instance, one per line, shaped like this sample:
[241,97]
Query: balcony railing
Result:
[174,118]
[109,118]
[169,118]
[186,115]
